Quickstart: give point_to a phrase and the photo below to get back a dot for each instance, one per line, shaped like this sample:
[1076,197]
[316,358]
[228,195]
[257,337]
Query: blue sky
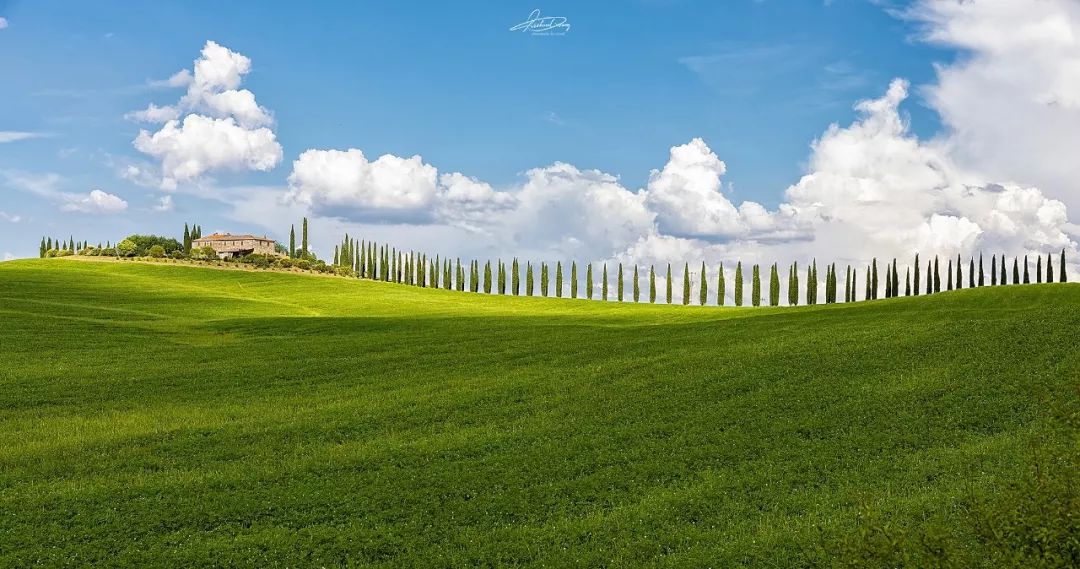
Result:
[757,80]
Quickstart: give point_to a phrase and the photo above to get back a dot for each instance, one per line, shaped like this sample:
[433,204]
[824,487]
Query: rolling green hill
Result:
[168,415]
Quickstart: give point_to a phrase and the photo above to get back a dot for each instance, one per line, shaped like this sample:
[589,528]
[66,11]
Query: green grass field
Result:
[157,415]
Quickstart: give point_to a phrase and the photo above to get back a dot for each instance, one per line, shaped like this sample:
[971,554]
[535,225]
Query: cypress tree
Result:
[971,273]
[929,277]
[303,239]
[721,287]
[474,277]
[48,244]
[907,281]
[948,273]
[1016,271]
[292,241]
[982,278]
[1003,273]
[1062,278]
[187,239]
[895,279]
[959,273]
[703,294]
[937,275]
[669,283]
[515,278]
[738,284]
[487,277]
[874,279]
[755,286]
[589,283]
[811,278]
[558,279]
[652,284]
[888,281]
[335,254]
[774,286]
[849,285]
[502,277]
[993,270]
[1038,269]
[459,275]
[619,281]
[686,283]
[637,286]
[603,285]
[42,249]
[543,279]
[573,279]
[915,281]
[1049,268]
[792,285]
[1027,278]
[528,279]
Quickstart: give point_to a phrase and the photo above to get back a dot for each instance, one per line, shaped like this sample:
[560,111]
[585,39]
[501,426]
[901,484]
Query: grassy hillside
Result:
[164,415]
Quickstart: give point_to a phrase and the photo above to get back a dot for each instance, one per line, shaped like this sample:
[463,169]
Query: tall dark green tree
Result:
[543,279]
[487,277]
[292,241]
[573,279]
[738,284]
[1049,267]
[793,284]
[888,281]
[1063,277]
[874,279]
[703,294]
[929,276]
[755,286]
[721,286]
[42,249]
[637,285]
[895,279]
[686,283]
[907,281]
[937,275]
[774,286]
[811,283]
[603,285]
[982,278]
[1027,276]
[589,283]
[1038,269]
[949,275]
[652,284]
[1016,270]
[187,239]
[528,279]
[971,273]
[993,270]
[619,283]
[515,278]
[303,238]
[853,295]
[1004,274]
[669,283]
[558,279]
[915,278]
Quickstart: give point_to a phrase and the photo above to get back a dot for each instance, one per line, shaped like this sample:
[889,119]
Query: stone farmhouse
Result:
[228,245]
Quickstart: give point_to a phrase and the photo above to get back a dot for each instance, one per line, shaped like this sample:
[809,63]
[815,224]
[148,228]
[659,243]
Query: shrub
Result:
[157,251]
[178,254]
[302,264]
[126,248]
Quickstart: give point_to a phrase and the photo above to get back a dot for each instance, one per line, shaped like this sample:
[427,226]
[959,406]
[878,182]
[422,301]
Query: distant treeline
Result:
[382,262]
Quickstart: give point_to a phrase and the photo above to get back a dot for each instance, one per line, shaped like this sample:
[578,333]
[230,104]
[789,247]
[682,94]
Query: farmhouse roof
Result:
[230,237]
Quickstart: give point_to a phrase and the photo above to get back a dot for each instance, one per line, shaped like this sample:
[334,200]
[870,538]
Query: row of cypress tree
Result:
[382,262]
[69,245]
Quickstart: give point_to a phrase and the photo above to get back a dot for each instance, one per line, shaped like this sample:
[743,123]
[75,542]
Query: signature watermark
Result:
[538,25]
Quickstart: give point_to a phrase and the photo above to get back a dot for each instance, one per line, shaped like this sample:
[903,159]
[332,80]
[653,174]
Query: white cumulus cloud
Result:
[96,201]
[214,126]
